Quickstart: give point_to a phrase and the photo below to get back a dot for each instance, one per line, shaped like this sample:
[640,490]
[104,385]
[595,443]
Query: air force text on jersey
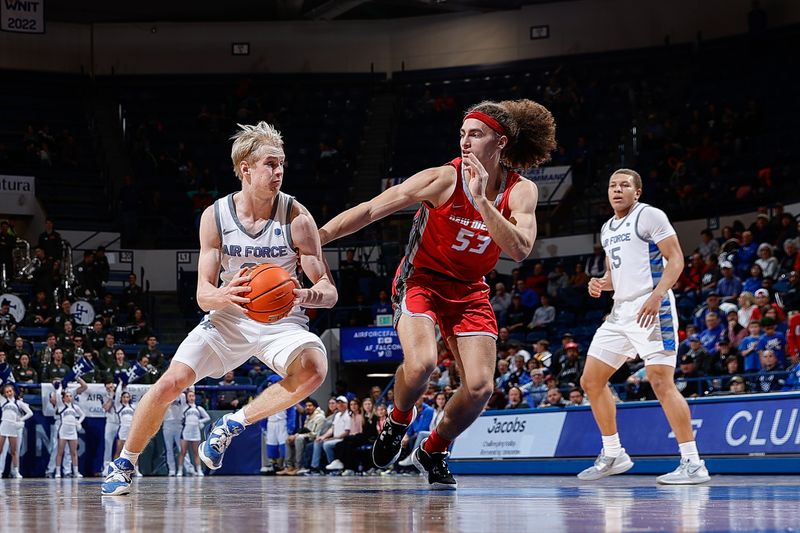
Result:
[614,239]
[234,250]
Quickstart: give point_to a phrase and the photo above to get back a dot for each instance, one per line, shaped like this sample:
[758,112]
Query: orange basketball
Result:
[271,293]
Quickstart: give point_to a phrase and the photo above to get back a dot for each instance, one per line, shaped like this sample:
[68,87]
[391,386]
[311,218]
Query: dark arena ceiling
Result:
[99,11]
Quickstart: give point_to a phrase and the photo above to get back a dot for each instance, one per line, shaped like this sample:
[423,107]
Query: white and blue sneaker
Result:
[213,448]
[118,478]
[687,473]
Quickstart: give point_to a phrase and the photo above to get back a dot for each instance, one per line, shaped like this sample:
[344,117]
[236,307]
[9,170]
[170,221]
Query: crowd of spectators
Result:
[55,335]
[739,309]
[338,440]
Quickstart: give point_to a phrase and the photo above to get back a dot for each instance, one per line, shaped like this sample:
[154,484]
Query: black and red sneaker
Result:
[435,465]
[387,446]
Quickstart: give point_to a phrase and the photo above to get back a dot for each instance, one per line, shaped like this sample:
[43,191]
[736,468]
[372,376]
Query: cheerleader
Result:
[194,418]
[14,414]
[69,417]
[112,425]
[77,389]
[124,409]
[172,429]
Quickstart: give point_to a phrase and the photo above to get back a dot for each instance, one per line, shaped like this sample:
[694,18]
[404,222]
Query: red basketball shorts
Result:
[460,308]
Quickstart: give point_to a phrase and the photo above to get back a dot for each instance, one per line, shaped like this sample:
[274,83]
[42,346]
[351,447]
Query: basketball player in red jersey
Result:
[473,208]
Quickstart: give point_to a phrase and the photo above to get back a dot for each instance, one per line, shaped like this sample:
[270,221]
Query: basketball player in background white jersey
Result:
[643,260]
[257,225]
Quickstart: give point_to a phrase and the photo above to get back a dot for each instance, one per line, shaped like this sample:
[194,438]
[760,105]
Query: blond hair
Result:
[250,140]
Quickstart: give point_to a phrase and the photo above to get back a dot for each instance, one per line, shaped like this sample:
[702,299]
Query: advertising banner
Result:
[552,182]
[513,436]
[370,345]
[17,193]
[747,425]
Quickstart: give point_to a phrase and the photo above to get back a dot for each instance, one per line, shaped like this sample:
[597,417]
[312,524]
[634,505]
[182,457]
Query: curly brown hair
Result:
[530,128]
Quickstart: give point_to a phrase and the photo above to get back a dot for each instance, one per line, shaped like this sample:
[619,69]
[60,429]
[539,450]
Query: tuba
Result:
[24,264]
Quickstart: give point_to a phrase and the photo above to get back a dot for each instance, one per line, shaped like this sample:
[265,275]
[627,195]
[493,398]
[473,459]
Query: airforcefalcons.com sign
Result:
[22,16]
[764,424]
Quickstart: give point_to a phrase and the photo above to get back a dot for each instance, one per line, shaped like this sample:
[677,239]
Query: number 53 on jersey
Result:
[469,241]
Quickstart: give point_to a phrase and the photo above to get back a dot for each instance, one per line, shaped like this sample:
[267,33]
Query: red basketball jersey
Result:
[452,238]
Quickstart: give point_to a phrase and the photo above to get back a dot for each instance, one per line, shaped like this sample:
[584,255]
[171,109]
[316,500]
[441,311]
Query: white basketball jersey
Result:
[631,249]
[272,244]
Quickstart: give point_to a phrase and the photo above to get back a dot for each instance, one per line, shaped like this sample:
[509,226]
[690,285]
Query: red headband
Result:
[486,119]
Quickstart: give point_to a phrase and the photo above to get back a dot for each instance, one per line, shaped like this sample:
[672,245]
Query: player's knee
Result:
[480,391]
[313,369]
[661,384]
[167,389]
[591,384]
[418,371]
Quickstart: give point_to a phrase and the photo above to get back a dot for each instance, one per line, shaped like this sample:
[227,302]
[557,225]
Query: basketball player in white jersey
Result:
[256,225]
[644,260]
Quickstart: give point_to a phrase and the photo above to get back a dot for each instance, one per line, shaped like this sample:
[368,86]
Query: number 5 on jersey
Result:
[466,239]
[616,260]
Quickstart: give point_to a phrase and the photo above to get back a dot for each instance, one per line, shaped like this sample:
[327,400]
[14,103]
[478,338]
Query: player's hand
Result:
[648,314]
[477,175]
[233,291]
[308,297]
[597,286]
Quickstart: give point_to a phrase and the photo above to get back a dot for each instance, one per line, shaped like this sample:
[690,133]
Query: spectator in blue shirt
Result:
[770,378]
[528,297]
[755,281]
[536,390]
[697,352]
[730,285]
[382,307]
[749,347]
[503,375]
[772,340]
[793,373]
[712,306]
[714,331]
[746,254]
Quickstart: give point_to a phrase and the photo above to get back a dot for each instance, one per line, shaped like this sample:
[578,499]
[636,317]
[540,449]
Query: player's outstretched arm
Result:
[209,296]
[422,186]
[306,238]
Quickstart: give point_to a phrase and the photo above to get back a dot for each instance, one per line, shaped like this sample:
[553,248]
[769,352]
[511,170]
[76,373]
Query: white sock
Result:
[130,456]
[238,416]
[689,451]
[611,445]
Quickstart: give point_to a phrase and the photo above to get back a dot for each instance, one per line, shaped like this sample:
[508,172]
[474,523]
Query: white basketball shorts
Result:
[621,338]
[277,432]
[225,340]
